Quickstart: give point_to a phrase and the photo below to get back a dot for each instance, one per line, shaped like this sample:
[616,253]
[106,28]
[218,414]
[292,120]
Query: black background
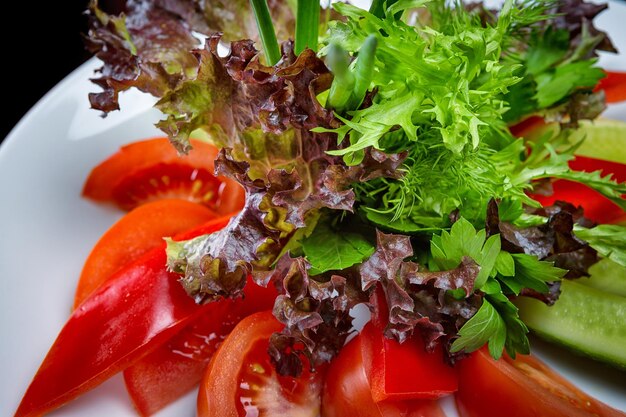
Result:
[41,43]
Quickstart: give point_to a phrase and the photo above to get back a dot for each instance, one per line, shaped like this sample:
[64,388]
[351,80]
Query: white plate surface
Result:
[47,230]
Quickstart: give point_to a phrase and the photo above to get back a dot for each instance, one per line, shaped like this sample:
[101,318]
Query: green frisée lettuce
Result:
[385,161]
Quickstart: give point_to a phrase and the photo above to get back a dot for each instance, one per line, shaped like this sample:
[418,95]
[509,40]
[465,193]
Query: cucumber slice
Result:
[604,139]
[584,319]
[606,276]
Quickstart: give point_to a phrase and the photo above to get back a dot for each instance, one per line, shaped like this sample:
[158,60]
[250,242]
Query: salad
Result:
[394,163]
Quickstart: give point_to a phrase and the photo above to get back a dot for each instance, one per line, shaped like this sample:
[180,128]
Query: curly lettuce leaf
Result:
[418,299]
[151,45]
[608,239]
[147,48]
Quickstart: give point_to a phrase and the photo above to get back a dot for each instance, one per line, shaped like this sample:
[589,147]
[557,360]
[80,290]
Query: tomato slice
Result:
[150,170]
[138,309]
[241,381]
[347,391]
[614,86]
[177,366]
[524,387]
[136,233]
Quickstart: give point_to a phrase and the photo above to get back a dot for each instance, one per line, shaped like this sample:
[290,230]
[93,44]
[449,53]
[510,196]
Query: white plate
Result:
[47,230]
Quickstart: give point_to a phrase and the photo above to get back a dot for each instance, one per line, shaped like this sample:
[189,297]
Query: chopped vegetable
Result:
[598,332]
[151,170]
[138,232]
[524,387]
[177,366]
[348,390]
[241,380]
[139,308]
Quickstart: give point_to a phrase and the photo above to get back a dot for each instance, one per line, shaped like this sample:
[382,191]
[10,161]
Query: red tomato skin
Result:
[490,388]
[141,307]
[219,386]
[347,390]
[136,233]
[347,387]
[177,366]
[139,155]
[152,169]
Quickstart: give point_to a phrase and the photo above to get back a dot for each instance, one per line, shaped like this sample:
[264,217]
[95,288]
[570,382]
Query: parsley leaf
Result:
[516,330]
[531,273]
[486,326]
[327,249]
[449,248]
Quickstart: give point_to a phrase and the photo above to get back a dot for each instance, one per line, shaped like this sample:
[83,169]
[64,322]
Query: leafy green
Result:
[327,249]
[606,185]
[516,340]
[559,65]
[486,326]
[496,322]
[449,248]
[460,67]
[608,239]
[531,273]
[553,86]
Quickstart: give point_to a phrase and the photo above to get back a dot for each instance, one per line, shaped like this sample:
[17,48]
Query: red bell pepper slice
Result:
[597,207]
[177,366]
[403,371]
[614,86]
[141,307]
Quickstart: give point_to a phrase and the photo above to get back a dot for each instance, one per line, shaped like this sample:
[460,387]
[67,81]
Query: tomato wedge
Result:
[524,387]
[150,170]
[177,366]
[136,233]
[347,391]
[141,307]
[241,381]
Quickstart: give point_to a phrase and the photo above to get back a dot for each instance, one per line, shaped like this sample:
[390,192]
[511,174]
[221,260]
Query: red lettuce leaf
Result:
[315,312]
[419,300]
[150,45]
[262,115]
[147,48]
[554,241]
